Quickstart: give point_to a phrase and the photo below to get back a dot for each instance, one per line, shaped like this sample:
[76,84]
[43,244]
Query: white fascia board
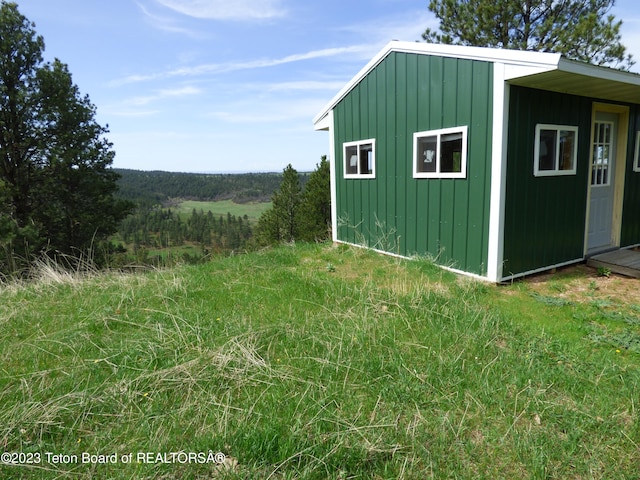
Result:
[354,81]
[518,71]
[523,62]
[485,54]
[518,64]
[323,123]
[605,73]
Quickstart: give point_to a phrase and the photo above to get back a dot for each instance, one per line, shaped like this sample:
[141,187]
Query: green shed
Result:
[496,163]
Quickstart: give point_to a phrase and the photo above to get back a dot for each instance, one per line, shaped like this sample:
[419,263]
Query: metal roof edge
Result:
[538,60]
[354,81]
[519,63]
[597,71]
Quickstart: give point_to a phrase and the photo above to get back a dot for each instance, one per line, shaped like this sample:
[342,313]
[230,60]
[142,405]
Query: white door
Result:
[600,226]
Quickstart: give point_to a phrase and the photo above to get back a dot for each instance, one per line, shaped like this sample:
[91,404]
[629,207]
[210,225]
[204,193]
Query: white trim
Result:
[332,176]
[438,134]
[324,124]
[358,144]
[404,257]
[541,269]
[532,62]
[595,71]
[536,151]
[498,187]
[475,275]
[517,64]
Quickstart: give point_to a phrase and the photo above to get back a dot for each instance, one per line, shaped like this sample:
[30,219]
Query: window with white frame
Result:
[636,158]
[360,159]
[440,153]
[556,150]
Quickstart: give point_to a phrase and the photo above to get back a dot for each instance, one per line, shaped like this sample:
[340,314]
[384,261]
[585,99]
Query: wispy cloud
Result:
[165,93]
[124,111]
[167,24]
[405,26]
[130,107]
[227,9]
[306,85]
[269,111]
[210,68]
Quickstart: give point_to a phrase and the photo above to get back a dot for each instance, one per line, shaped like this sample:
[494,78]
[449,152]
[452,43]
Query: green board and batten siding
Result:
[545,217]
[630,234]
[445,218]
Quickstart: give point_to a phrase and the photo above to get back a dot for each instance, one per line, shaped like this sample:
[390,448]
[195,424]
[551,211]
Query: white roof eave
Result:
[523,63]
[521,67]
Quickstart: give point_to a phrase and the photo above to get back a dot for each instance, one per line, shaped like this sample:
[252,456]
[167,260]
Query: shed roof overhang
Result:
[586,80]
[544,71]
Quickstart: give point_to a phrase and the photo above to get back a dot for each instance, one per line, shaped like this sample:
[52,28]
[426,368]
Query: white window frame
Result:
[636,157]
[358,144]
[439,134]
[536,153]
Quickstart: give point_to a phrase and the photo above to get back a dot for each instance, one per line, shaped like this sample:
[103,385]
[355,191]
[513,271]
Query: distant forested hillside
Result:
[156,187]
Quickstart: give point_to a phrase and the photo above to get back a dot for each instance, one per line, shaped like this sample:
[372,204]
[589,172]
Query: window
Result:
[636,159]
[556,150]
[602,151]
[359,159]
[440,153]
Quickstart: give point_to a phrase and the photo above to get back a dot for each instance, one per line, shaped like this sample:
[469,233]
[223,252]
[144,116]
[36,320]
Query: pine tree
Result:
[579,29]
[280,222]
[54,162]
[315,208]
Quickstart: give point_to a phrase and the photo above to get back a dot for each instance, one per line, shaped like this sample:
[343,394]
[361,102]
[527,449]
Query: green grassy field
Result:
[317,362]
[222,207]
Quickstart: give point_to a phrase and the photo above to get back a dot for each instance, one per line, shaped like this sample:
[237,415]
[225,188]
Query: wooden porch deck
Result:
[624,262]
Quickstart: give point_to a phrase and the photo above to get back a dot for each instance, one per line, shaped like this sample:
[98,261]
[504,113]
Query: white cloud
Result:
[631,40]
[123,111]
[128,107]
[204,69]
[407,27]
[270,111]
[165,93]
[167,24]
[227,9]
[306,85]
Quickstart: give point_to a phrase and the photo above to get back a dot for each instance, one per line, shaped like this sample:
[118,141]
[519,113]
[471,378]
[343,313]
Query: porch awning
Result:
[577,78]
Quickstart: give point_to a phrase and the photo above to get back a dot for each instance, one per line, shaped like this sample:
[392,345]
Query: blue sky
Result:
[227,85]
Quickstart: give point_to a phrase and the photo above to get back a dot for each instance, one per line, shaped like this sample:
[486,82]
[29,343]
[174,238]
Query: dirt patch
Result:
[580,283]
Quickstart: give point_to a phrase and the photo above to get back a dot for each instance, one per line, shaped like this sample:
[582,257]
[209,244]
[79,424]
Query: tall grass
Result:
[375,368]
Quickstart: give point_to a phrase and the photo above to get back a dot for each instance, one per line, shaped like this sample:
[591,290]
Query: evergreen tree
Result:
[54,163]
[280,222]
[315,208]
[579,29]
[287,202]
[295,214]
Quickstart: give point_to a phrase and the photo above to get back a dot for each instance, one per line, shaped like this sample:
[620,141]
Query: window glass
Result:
[359,159]
[451,153]
[602,148]
[547,142]
[366,158]
[427,149]
[351,154]
[440,153]
[556,150]
[567,143]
